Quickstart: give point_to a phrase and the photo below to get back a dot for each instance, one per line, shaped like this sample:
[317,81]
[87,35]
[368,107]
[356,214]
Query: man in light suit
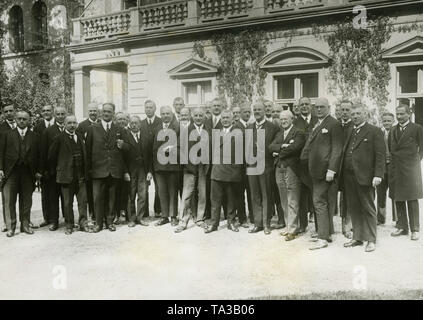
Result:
[195,174]
[261,182]
[19,155]
[363,166]
[106,165]
[286,148]
[68,156]
[405,185]
[323,151]
[147,130]
[225,175]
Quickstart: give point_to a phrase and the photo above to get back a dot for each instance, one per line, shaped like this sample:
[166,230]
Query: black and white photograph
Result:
[211,150]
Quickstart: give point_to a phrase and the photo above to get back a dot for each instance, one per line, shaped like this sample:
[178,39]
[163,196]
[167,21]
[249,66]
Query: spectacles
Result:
[304,104]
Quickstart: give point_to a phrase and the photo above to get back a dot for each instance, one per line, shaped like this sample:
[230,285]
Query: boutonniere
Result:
[324,130]
[365,140]
[291,141]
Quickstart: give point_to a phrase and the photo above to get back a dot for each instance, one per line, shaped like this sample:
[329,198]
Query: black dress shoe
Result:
[210,229]
[54,227]
[232,227]
[96,229]
[131,224]
[68,231]
[162,221]
[31,225]
[255,230]
[112,227]
[399,232]
[3,229]
[27,230]
[10,233]
[44,223]
[267,231]
[180,229]
[353,243]
[277,226]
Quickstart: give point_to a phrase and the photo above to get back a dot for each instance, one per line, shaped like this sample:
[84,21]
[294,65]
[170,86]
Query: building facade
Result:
[130,51]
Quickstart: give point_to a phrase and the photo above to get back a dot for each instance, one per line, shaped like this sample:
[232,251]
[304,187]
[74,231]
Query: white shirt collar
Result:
[346,122]
[228,129]
[12,124]
[269,118]
[89,119]
[135,134]
[321,120]
[286,131]
[216,118]
[151,120]
[166,125]
[22,132]
[306,118]
[244,123]
[404,124]
[104,124]
[258,124]
[359,126]
[49,123]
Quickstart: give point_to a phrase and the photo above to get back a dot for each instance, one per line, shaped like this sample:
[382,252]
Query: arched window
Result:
[16,30]
[39,25]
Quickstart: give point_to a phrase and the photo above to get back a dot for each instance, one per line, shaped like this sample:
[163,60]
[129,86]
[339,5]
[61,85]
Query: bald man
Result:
[323,151]
[49,171]
[167,174]
[68,156]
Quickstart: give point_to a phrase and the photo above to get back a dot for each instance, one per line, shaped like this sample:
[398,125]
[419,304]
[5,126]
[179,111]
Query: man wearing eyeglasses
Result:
[323,151]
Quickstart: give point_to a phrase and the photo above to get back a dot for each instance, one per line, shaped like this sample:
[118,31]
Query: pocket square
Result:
[365,140]
[324,130]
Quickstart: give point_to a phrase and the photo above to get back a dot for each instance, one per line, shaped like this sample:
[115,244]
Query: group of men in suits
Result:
[293,166]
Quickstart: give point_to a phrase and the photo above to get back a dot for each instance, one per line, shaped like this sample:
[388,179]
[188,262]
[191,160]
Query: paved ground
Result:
[155,263]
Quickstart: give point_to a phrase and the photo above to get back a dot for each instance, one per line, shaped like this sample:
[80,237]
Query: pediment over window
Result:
[411,48]
[193,68]
[287,58]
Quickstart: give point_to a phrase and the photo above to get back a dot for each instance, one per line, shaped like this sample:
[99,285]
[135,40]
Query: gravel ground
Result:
[155,263]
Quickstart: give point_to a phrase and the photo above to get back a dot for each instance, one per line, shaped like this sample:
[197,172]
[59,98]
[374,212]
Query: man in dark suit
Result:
[323,151]
[260,177]
[148,128]
[140,170]
[242,123]
[166,167]
[286,148]
[68,156]
[106,166]
[405,183]
[305,122]
[39,128]
[226,172]
[93,117]
[195,172]
[49,171]
[19,155]
[7,125]
[388,120]
[344,110]
[363,166]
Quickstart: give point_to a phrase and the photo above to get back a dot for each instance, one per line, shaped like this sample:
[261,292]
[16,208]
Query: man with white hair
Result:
[323,151]
[286,148]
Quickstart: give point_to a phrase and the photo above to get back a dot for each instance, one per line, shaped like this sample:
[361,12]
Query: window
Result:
[16,30]
[410,80]
[291,87]
[39,25]
[196,93]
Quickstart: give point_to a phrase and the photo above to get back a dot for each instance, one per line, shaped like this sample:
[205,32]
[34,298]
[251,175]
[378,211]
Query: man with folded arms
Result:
[363,166]
[405,185]
[225,175]
[286,147]
[323,150]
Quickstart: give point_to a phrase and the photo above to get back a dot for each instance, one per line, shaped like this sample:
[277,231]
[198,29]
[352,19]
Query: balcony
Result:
[186,16]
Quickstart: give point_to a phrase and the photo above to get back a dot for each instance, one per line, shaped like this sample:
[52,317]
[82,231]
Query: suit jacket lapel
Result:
[316,131]
[361,135]
[290,134]
[404,133]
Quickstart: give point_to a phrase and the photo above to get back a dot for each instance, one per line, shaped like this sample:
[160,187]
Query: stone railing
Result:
[98,27]
[221,9]
[162,15]
[187,13]
[291,4]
